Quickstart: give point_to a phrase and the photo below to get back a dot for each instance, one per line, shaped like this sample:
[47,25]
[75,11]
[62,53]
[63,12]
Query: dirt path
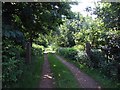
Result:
[84,80]
[47,80]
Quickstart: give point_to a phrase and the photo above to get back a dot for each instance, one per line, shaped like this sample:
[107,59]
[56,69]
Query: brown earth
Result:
[47,80]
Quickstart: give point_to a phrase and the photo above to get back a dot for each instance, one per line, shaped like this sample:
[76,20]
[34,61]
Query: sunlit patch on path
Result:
[84,80]
[47,80]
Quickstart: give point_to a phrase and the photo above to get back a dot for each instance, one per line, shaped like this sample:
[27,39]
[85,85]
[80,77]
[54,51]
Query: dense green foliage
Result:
[102,33]
[31,73]
[14,65]
[98,61]
[109,13]
[34,18]
[13,61]
[68,52]
[24,22]
[52,24]
[104,81]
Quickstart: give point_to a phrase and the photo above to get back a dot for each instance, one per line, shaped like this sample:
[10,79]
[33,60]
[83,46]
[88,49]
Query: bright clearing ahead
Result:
[82,5]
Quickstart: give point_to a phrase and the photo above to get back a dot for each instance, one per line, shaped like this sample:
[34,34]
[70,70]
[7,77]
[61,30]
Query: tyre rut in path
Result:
[47,80]
[84,80]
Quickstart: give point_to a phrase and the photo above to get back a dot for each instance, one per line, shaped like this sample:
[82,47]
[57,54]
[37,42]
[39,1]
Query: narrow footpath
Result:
[84,80]
[47,80]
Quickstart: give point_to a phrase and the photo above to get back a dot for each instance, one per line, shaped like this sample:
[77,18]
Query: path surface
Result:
[47,80]
[84,80]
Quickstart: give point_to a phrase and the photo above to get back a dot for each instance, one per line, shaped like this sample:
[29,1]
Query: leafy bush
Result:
[12,63]
[73,54]
[37,51]
[68,53]
[12,70]
[98,61]
[82,58]
[108,68]
[98,58]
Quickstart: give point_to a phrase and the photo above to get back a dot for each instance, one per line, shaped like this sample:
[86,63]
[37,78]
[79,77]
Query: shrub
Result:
[108,68]
[97,58]
[82,58]
[12,63]
[68,53]
[12,70]
[73,54]
[98,61]
[37,51]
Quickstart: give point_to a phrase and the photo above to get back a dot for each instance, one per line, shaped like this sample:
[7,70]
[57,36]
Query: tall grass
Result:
[31,74]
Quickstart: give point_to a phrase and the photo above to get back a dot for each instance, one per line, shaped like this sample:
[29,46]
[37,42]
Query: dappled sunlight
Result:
[99,87]
[47,76]
[59,75]
[85,33]
[54,65]
[49,52]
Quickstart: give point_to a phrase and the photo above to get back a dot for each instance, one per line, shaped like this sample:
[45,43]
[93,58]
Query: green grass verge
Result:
[31,74]
[63,77]
[104,81]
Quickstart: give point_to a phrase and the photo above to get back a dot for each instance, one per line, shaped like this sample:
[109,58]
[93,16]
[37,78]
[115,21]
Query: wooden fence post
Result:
[88,50]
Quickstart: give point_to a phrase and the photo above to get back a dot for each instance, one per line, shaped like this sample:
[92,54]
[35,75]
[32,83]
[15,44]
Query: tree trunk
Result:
[28,48]
[88,51]
[28,53]
[31,40]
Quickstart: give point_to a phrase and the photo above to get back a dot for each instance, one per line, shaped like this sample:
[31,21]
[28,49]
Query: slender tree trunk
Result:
[88,51]
[31,38]
[28,50]
[28,53]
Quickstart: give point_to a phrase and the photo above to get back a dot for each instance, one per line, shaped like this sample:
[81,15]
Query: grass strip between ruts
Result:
[63,76]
